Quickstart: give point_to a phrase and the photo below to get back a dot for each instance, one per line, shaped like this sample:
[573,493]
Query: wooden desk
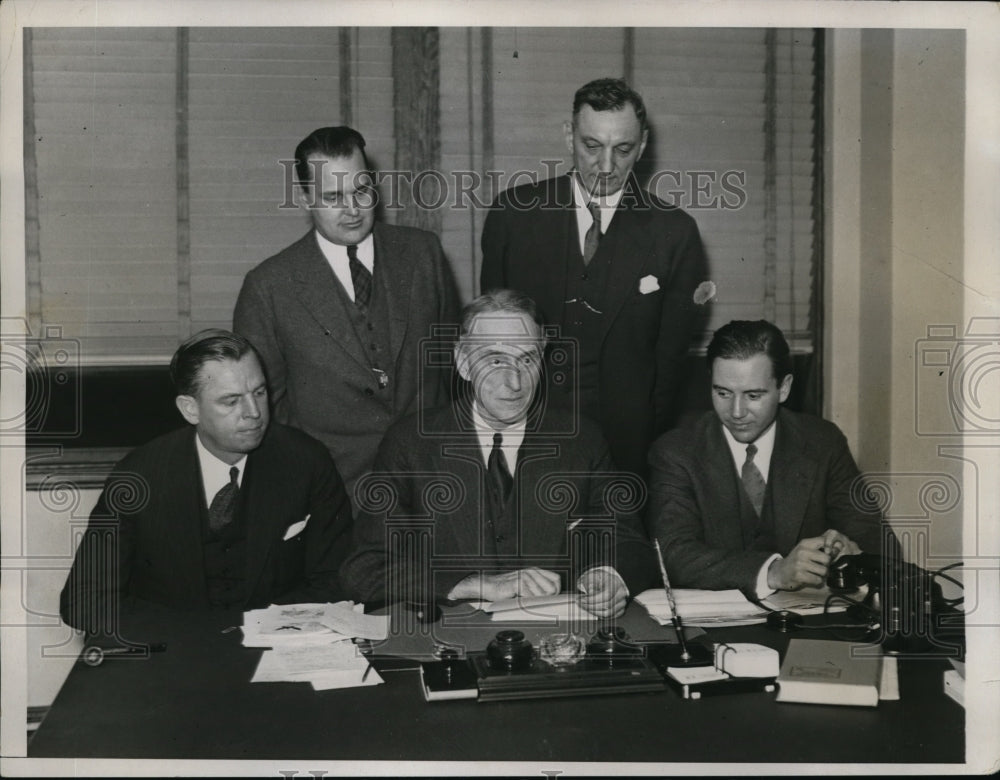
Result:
[195,701]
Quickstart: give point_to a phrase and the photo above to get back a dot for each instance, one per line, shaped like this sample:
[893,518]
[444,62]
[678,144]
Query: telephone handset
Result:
[907,597]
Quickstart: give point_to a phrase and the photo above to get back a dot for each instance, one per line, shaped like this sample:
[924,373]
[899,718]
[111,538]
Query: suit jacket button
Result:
[369,391]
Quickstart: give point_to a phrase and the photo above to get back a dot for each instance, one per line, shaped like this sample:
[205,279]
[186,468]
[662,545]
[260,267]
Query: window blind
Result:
[158,155]
[103,115]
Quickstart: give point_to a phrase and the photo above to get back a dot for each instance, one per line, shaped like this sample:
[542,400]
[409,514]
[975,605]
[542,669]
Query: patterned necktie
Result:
[753,482]
[362,279]
[593,237]
[496,467]
[223,507]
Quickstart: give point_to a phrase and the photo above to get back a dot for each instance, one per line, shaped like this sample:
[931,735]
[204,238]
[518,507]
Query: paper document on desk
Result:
[297,624]
[811,601]
[350,620]
[702,607]
[333,665]
[562,607]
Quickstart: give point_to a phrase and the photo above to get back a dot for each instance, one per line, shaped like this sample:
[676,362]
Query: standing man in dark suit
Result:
[753,496]
[518,500]
[228,512]
[614,265]
[338,316]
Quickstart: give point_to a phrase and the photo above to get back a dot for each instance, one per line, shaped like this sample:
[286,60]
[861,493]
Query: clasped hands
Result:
[809,561]
[603,592]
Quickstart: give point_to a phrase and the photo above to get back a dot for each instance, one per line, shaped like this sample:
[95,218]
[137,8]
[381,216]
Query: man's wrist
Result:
[768,578]
[470,587]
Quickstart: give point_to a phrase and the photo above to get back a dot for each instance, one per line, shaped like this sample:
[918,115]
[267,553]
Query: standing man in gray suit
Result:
[339,315]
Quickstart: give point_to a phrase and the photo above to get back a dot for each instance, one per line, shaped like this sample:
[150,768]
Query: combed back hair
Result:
[609,95]
[495,301]
[332,142]
[205,345]
[742,339]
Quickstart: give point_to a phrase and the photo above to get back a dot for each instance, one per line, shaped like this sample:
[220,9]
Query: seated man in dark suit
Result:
[227,512]
[752,495]
[497,496]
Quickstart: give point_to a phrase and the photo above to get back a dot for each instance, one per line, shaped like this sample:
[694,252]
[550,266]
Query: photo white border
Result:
[980,20]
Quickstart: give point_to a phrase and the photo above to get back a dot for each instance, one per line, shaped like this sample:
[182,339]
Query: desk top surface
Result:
[195,701]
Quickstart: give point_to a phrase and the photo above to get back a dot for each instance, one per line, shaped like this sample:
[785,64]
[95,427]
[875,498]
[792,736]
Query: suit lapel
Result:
[792,474]
[394,265]
[317,290]
[628,242]
[461,453]
[263,513]
[184,509]
[557,233]
[717,460]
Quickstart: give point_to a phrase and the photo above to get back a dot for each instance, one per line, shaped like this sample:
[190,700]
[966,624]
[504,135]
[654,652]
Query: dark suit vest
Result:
[225,555]
[371,329]
[583,314]
[758,532]
[500,534]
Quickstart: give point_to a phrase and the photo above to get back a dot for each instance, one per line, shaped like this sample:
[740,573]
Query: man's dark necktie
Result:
[223,507]
[593,237]
[362,279]
[496,467]
[753,482]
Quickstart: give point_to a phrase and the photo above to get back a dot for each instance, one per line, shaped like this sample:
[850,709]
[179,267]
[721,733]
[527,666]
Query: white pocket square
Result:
[649,284]
[295,529]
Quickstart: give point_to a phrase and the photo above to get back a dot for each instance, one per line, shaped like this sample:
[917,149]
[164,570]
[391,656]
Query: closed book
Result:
[823,671]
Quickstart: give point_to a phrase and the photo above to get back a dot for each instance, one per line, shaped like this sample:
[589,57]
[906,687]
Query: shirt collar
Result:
[214,472]
[607,203]
[513,437]
[335,253]
[765,448]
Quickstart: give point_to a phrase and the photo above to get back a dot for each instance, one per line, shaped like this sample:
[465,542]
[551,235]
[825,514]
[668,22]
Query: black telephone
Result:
[908,598]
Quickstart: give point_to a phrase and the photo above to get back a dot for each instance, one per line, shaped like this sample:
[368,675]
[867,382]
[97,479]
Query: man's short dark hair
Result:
[332,142]
[205,345]
[495,301]
[742,339]
[610,95]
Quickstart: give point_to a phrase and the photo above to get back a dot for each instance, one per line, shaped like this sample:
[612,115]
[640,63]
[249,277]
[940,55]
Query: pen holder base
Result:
[674,655]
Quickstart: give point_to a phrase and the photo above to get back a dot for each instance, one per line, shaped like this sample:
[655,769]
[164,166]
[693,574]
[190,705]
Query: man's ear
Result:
[188,407]
[568,133]
[785,388]
[304,195]
[462,362]
[642,143]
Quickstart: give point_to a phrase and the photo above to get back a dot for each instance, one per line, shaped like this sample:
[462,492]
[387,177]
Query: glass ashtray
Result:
[561,650]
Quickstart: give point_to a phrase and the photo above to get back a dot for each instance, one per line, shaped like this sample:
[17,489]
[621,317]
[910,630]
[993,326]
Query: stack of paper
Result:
[311,643]
[954,681]
[811,601]
[702,607]
[561,608]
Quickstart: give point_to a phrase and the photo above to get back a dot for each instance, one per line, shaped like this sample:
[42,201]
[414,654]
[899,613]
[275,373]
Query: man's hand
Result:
[806,564]
[520,582]
[838,544]
[604,592]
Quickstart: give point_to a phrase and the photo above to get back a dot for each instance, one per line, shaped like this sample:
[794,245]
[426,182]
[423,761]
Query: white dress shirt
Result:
[336,256]
[512,438]
[214,472]
[608,205]
[765,448]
